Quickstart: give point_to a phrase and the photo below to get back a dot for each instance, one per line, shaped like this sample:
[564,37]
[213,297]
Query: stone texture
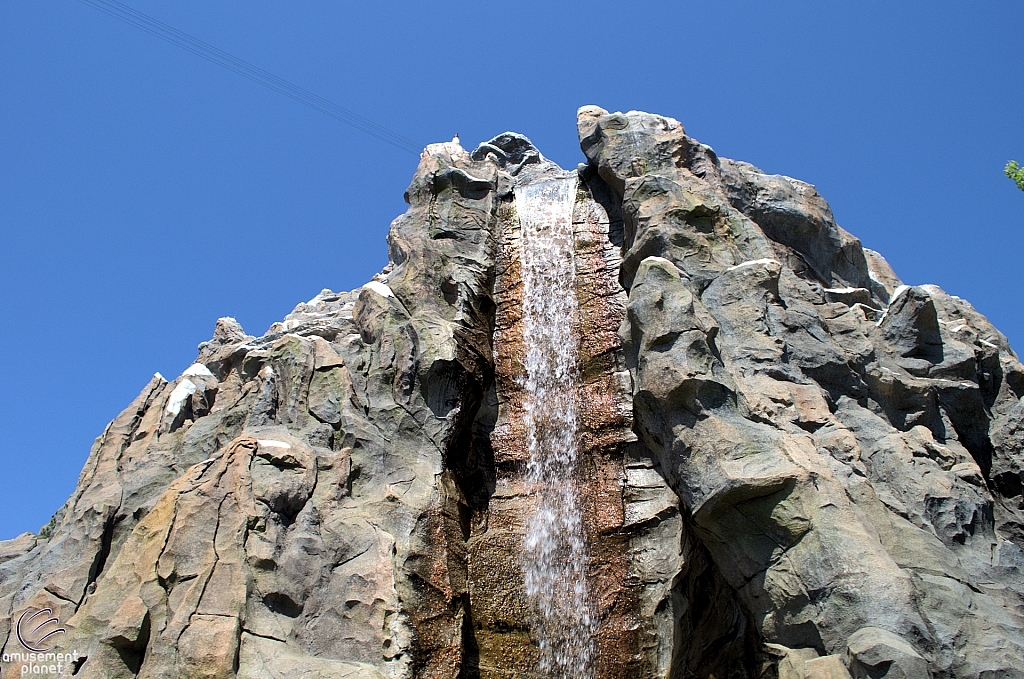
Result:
[794,465]
[836,437]
[294,500]
[874,652]
[827,667]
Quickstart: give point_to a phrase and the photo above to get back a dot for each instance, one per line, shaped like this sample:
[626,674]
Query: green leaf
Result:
[1016,173]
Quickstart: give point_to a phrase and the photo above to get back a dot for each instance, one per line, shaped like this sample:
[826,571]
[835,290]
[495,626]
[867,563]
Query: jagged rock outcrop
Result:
[791,464]
[831,433]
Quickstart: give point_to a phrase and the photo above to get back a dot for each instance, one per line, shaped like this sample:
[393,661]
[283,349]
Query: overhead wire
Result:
[256,74]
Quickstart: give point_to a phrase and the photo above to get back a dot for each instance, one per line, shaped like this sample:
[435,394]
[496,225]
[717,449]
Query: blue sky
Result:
[145,192]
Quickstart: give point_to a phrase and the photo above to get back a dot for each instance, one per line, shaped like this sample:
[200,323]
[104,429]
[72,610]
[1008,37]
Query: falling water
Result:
[555,554]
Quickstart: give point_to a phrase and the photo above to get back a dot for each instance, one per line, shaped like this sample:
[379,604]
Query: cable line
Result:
[244,68]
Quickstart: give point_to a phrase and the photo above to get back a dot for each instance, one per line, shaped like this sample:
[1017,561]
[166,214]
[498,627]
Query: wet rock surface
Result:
[791,464]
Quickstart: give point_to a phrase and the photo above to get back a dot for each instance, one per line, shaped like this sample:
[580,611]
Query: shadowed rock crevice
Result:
[713,635]
[132,652]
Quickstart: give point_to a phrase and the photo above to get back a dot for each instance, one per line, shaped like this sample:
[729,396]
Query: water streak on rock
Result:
[555,554]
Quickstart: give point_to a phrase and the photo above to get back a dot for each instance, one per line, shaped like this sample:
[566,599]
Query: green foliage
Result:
[1016,173]
[46,531]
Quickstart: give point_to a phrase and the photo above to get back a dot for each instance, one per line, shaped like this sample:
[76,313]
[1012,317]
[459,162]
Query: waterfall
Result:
[555,550]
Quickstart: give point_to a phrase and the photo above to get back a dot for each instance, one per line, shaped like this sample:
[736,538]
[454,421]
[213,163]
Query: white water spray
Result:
[555,554]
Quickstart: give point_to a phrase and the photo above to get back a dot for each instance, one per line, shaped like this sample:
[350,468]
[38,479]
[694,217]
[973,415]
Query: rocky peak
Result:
[785,462]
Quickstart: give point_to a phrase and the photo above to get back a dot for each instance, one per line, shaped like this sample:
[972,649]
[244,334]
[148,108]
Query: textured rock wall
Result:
[294,504]
[792,464]
[834,435]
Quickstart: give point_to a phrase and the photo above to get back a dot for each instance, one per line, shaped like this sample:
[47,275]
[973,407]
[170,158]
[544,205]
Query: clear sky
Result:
[145,192]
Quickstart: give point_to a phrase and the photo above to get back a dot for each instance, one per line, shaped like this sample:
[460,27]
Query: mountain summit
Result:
[655,417]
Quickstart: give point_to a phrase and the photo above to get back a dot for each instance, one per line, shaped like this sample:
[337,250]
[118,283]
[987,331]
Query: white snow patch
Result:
[660,260]
[326,292]
[198,370]
[379,288]
[796,182]
[753,262]
[160,377]
[843,291]
[181,392]
[271,443]
[958,328]
[988,344]
[872,274]
[896,293]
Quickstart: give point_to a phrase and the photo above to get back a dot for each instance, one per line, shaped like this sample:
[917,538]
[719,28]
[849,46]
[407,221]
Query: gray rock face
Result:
[837,441]
[792,464]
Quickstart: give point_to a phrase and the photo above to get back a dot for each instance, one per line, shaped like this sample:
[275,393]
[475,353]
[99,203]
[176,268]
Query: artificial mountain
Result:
[785,463]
